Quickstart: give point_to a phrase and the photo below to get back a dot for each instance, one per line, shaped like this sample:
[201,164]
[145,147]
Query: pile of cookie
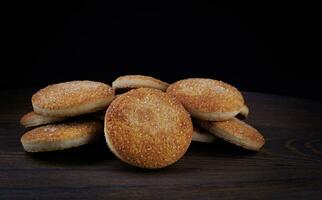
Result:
[151,125]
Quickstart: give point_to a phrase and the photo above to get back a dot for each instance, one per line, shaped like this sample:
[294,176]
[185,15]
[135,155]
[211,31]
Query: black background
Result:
[256,46]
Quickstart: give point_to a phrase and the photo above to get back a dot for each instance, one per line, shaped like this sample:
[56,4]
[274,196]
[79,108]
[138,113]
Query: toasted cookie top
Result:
[62,132]
[147,128]
[69,94]
[138,81]
[206,95]
[237,132]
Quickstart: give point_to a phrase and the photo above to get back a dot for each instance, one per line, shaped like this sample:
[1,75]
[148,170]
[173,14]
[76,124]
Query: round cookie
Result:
[72,98]
[55,137]
[208,99]
[139,81]
[202,136]
[32,119]
[236,132]
[147,128]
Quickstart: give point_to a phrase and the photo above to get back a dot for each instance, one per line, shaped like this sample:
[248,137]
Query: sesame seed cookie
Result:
[72,98]
[32,119]
[55,137]
[139,81]
[236,132]
[147,128]
[208,99]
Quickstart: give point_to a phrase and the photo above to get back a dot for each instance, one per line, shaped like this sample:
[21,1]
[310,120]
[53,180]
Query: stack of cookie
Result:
[149,126]
[215,105]
[66,107]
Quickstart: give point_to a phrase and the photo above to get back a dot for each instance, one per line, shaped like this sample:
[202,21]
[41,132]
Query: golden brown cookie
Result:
[139,81]
[236,132]
[208,99]
[55,137]
[147,128]
[32,119]
[72,98]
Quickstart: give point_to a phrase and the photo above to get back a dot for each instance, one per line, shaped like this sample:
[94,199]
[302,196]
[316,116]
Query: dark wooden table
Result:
[288,167]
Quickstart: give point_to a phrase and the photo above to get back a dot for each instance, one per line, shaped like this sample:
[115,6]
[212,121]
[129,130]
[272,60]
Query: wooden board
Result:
[289,166]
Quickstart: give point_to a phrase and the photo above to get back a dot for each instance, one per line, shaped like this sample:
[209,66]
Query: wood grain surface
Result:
[288,167]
